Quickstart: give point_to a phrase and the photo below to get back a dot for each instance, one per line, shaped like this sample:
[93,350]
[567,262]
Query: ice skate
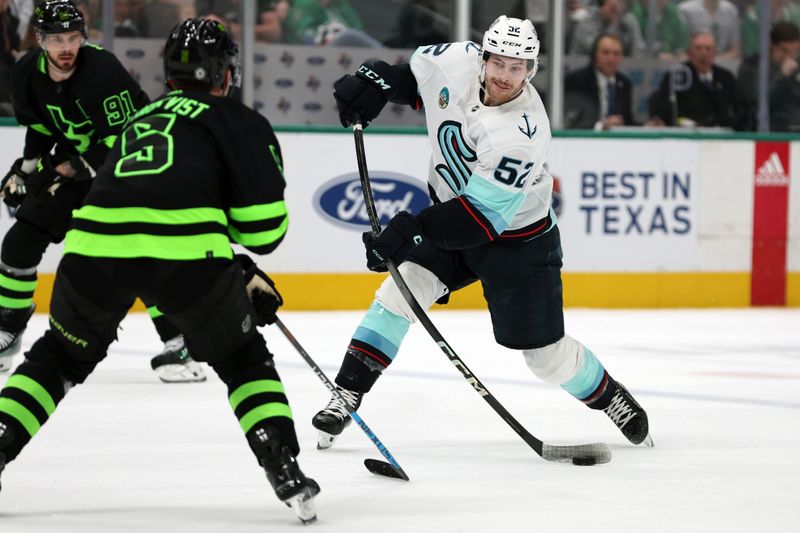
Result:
[629,417]
[14,322]
[6,436]
[175,365]
[332,420]
[291,486]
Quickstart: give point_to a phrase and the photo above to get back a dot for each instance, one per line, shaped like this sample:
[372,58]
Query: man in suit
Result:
[598,96]
[704,94]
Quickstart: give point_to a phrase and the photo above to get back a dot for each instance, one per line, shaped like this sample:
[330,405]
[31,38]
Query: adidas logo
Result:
[772,173]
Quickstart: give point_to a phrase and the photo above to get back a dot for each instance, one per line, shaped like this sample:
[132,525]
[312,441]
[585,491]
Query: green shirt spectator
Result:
[782,11]
[672,34]
[309,18]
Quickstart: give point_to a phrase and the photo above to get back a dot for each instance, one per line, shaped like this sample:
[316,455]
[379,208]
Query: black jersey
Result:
[81,114]
[190,173]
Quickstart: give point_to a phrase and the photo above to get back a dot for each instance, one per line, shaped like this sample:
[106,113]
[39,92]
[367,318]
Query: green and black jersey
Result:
[189,174]
[82,114]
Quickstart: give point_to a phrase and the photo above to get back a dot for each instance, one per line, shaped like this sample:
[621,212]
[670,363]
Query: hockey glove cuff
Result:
[261,290]
[394,243]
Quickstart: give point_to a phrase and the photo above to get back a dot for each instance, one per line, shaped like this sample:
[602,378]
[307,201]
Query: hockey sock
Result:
[379,335]
[16,295]
[27,400]
[591,384]
[164,327]
[258,399]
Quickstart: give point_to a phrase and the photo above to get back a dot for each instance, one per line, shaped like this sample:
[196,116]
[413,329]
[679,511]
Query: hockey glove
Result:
[261,291]
[401,234]
[39,181]
[358,98]
[13,186]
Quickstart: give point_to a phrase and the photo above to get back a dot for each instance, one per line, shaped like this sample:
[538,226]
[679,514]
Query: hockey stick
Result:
[390,469]
[582,454]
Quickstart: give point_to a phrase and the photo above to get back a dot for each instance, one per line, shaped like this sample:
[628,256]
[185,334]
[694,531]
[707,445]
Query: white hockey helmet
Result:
[511,37]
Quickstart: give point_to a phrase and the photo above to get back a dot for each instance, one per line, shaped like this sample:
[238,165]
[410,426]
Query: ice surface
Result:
[125,452]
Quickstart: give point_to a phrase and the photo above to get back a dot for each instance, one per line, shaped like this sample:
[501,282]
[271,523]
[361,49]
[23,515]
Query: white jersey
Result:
[491,155]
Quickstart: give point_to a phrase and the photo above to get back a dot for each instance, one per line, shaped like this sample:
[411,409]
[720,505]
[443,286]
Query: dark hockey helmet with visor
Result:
[201,51]
[58,16]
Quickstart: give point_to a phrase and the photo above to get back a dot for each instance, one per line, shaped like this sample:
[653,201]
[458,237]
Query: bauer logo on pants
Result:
[341,201]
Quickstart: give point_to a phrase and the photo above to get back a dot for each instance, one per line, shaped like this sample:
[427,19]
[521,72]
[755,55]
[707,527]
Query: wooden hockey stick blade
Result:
[382,468]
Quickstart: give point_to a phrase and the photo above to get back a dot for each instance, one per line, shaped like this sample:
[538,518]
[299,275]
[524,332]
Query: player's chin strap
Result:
[583,454]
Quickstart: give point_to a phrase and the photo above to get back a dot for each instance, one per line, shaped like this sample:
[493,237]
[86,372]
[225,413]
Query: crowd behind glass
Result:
[705,52]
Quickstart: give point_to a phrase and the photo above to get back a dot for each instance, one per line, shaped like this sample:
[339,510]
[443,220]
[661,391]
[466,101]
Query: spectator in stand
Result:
[598,96]
[576,12]
[720,18]
[272,15]
[416,26]
[326,22]
[706,95]
[22,11]
[784,80]
[93,35]
[128,20]
[671,34]
[780,10]
[10,39]
[608,17]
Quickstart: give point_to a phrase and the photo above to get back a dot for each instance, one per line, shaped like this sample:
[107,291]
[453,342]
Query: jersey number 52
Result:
[508,172]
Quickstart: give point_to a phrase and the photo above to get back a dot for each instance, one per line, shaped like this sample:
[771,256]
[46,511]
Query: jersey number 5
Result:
[508,170]
[146,147]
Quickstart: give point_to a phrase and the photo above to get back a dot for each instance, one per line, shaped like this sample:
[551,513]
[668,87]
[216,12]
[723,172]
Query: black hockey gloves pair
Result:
[394,243]
[261,290]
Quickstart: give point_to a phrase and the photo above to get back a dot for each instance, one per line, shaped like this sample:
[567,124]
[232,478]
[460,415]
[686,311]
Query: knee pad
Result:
[23,247]
[556,363]
[424,285]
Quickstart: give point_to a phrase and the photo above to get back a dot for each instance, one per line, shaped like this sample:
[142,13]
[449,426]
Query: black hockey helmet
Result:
[58,16]
[201,50]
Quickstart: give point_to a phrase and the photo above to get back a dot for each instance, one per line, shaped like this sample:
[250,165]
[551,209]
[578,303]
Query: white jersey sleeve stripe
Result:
[497,204]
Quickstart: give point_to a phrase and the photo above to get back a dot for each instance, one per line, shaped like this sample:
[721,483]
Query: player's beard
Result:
[501,92]
[64,62]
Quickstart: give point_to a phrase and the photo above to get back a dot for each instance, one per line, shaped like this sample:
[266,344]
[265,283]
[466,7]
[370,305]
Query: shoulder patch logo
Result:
[444,97]
[528,132]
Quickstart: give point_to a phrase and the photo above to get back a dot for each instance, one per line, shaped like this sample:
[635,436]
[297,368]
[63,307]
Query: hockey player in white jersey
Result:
[491,220]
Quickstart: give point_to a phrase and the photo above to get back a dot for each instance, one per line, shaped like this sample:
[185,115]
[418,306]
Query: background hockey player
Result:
[77,97]
[490,222]
[158,228]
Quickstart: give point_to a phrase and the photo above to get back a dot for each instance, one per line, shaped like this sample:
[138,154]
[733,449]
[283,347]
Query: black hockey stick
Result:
[390,469]
[581,454]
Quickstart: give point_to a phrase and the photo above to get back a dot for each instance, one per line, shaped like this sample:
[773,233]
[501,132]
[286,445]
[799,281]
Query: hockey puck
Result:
[584,461]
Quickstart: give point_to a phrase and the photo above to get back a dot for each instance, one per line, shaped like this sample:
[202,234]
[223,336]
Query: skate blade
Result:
[302,504]
[181,373]
[325,440]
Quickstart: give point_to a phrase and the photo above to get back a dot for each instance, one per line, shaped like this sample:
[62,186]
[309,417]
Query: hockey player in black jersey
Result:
[76,97]
[190,173]
[491,222]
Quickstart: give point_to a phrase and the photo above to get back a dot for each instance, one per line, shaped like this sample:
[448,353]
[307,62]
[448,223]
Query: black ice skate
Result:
[332,420]
[175,365]
[291,486]
[12,326]
[6,436]
[629,417]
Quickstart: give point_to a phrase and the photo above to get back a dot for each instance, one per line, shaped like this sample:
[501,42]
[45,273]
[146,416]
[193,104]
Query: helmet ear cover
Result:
[201,51]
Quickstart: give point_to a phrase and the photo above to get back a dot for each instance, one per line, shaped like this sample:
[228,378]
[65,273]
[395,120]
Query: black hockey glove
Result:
[39,181]
[14,184]
[401,234]
[261,290]
[358,98]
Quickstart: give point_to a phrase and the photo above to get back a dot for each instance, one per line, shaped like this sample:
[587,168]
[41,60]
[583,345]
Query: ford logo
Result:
[259,58]
[312,107]
[135,53]
[284,82]
[340,200]
[315,60]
